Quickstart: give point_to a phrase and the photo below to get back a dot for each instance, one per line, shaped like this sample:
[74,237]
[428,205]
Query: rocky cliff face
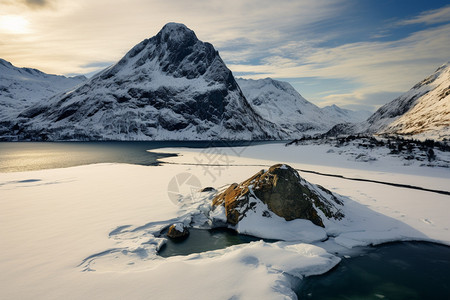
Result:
[284,192]
[169,87]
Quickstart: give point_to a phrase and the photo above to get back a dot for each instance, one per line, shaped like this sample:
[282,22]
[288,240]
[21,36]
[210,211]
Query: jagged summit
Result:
[175,50]
[176,33]
[168,87]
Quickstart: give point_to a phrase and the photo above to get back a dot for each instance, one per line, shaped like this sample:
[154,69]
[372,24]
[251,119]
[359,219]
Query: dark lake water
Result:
[28,156]
[201,240]
[403,270]
[406,270]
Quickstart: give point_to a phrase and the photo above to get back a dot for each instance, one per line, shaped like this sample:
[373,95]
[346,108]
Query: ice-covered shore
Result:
[91,231]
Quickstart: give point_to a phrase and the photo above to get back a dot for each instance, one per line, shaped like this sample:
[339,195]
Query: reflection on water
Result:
[408,270]
[35,156]
[28,156]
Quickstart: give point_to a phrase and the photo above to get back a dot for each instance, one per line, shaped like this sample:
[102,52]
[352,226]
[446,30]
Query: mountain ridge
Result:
[423,112]
[168,87]
[22,87]
[280,103]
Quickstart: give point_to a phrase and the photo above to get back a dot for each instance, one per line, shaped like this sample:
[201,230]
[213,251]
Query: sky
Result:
[352,53]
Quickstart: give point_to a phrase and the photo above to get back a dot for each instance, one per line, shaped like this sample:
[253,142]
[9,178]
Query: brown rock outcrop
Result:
[284,192]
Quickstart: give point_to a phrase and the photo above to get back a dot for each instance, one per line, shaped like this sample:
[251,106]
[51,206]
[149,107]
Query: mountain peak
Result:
[177,33]
[171,86]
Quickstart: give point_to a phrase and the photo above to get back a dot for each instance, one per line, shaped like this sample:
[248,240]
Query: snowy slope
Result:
[280,103]
[169,87]
[22,87]
[341,115]
[425,109]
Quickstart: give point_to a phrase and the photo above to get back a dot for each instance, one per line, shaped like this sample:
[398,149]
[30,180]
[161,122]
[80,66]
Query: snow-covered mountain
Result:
[280,103]
[341,115]
[22,87]
[169,87]
[423,110]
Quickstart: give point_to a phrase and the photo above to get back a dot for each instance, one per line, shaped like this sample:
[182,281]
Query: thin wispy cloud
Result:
[322,47]
[435,16]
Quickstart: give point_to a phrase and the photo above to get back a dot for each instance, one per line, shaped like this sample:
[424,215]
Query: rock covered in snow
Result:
[169,87]
[178,231]
[283,192]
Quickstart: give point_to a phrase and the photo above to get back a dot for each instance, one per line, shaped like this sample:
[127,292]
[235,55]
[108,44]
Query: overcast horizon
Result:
[356,54]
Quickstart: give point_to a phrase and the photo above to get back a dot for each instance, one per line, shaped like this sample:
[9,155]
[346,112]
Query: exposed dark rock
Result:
[284,192]
[178,231]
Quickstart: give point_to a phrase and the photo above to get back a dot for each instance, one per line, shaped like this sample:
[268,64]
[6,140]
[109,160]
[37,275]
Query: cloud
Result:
[359,100]
[75,33]
[32,4]
[256,38]
[435,16]
[98,64]
[375,67]
[36,3]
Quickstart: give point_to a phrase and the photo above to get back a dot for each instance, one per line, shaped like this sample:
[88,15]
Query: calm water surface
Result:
[201,240]
[28,156]
[403,270]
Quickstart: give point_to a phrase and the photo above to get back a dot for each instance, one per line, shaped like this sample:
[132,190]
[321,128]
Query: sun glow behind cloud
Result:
[14,24]
[331,51]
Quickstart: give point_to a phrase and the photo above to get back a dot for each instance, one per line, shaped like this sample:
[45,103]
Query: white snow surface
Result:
[274,227]
[422,112]
[92,231]
[341,115]
[22,87]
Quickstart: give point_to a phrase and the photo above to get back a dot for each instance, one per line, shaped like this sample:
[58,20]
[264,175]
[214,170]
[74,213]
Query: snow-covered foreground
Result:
[91,231]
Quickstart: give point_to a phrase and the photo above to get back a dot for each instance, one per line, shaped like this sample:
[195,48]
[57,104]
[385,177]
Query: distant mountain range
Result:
[422,112]
[280,103]
[176,87]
